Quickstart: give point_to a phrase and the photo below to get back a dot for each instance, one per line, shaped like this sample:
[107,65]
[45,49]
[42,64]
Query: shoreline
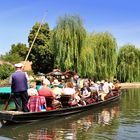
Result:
[130,85]
[123,85]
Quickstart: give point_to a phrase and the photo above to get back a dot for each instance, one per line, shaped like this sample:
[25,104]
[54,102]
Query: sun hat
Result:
[55,82]
[92,83]
[98,82]
[46,82]
[102,81]
[18,65]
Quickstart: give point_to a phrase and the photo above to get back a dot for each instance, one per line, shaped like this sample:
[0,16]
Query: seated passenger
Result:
[67,94]
[75,80]
[93,87]
[111,85]
[117,85]
[94,90]
[45,90]
[57,91]
[32,91]
[51,102]
[69,89]
[77,97]
[85,91]
[104,89]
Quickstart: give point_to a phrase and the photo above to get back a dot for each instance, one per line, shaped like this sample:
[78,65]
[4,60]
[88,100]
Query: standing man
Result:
[19,86]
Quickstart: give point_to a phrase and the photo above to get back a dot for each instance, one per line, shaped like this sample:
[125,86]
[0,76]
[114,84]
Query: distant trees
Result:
[128,65]
[70,47]
[105,54]
[68,39]
[87,65]
[5,71]
[16,54]
[99,56]
[41,54]
[19,49]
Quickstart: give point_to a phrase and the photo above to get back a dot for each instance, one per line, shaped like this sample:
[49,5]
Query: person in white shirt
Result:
[69,89]
[32,91]
[106,87]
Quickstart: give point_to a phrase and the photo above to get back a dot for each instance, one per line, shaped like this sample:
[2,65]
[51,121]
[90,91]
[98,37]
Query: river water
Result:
[117,121]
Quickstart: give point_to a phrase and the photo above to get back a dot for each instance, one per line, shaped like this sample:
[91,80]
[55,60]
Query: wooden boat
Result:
[21,117]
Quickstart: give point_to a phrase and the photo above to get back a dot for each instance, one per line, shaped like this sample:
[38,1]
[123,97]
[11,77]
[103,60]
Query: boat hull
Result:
[21,117]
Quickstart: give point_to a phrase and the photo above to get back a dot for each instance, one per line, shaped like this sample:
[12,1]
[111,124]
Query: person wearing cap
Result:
[19,86]
[57,91]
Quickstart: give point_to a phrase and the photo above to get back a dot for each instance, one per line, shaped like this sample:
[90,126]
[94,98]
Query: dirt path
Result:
[130,85]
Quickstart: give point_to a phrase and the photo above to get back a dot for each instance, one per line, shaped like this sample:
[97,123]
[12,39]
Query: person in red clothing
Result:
[49,95]
[45,90]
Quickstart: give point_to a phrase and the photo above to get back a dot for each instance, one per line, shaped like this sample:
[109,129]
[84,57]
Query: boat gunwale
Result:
[59,110]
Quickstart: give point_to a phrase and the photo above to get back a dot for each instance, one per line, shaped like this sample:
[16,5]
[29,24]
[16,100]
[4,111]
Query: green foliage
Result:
[69,47]
[16,54]
[11,58]
[41,54]
[105,53]
[68,40]
[5,71]
[19,49]
[87,65]
[42,60]
[128,66]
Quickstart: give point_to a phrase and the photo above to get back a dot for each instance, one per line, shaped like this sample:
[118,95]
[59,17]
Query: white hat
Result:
[55,82]
[46,82]
[18,65]
[98,82]
[102,81]
[92,83]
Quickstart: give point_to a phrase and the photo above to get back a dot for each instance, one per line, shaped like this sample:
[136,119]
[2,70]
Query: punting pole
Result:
[34,39]
[7,102]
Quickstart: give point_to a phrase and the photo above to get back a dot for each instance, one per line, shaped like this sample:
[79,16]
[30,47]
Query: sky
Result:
[121,18]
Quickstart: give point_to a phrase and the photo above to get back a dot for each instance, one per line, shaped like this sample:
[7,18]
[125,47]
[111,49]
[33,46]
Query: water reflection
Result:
[118,121]
[82,126]
[108,114]
[130,116]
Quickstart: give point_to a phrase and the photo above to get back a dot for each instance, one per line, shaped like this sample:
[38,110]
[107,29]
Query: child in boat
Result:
[32,91]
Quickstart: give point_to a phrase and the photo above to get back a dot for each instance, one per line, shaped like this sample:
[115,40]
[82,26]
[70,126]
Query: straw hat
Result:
[55,82]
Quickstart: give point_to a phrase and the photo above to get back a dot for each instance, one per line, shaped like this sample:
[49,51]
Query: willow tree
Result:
[87,66]
[41,54]
[105,52]
[128,63]
[68,39]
